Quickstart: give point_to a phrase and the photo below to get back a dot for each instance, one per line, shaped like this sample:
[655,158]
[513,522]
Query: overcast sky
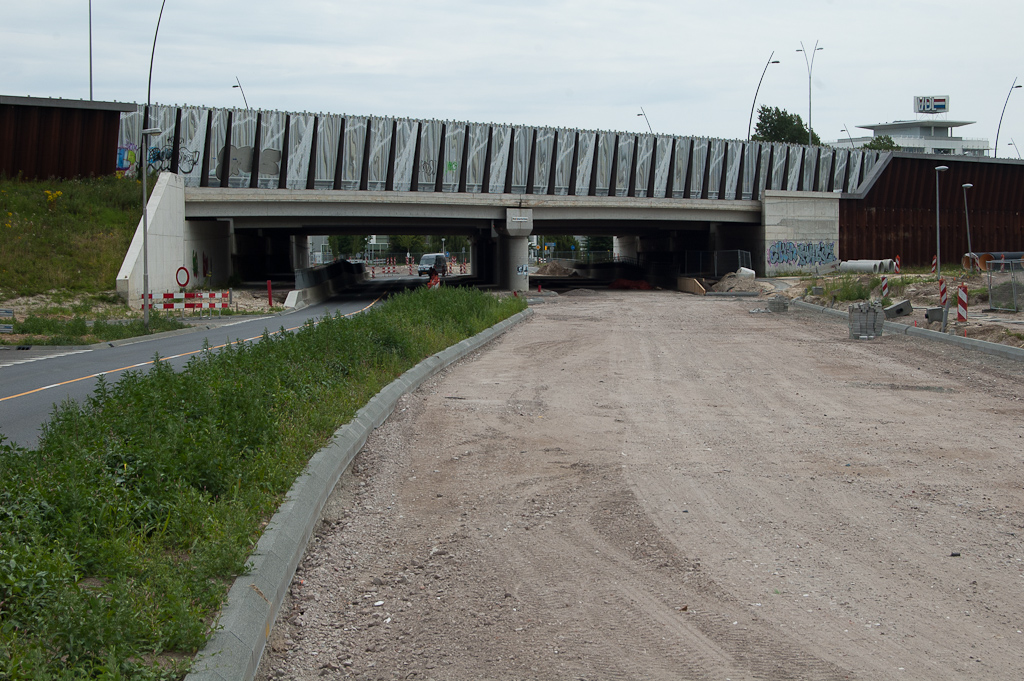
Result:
[692,65]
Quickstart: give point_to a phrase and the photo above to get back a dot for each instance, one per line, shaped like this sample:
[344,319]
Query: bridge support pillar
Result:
[514,251]
[300,251]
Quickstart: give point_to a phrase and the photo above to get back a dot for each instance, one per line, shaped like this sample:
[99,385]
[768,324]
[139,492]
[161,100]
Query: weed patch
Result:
[121,532]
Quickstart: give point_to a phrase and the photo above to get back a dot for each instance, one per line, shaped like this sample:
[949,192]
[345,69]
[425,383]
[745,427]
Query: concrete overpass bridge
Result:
[246,188]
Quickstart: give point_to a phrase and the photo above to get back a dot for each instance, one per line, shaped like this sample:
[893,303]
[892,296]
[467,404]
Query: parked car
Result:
[435,260]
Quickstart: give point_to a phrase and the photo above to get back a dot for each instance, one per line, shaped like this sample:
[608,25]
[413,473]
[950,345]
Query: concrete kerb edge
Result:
[997,349]
[234,651]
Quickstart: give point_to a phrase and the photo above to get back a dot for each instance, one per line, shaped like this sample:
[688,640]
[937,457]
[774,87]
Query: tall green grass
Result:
[121,532]
[65,234]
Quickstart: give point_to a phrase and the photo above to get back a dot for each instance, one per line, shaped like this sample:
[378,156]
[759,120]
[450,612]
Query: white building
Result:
[928,136]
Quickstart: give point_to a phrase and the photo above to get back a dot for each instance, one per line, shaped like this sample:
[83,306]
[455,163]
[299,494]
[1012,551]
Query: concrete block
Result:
[866,320]
[778,304]
[817,290]
[900,309]
[933,314]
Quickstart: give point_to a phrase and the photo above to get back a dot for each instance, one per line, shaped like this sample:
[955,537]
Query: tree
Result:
[347,244]
[778,125]
[599,243]
[882,143]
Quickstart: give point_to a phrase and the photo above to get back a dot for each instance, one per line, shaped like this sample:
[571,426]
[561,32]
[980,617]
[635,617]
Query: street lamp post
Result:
[810,69]
[1015,147]
[754,103]
[938,241]
[239,86]
[144,167]
[995,147]
[847,131]
[967,220]
[644,114]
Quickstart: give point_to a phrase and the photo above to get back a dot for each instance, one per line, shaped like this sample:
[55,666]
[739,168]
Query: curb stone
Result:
[997,349]
[253,602]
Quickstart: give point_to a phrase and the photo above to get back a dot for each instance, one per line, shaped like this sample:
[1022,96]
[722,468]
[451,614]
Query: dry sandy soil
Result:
[651,485]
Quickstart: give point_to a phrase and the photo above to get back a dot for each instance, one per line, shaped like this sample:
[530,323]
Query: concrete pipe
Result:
[859,266]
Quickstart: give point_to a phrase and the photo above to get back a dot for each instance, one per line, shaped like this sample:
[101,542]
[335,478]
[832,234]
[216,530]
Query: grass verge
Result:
[121,532]
[65,234]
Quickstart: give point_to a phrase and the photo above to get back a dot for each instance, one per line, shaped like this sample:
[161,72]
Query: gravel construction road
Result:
[651,485]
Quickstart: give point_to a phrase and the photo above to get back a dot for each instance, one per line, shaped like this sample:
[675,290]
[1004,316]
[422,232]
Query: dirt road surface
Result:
[650,485]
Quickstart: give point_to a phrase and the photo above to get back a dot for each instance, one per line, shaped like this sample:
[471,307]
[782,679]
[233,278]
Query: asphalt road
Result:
[33,382]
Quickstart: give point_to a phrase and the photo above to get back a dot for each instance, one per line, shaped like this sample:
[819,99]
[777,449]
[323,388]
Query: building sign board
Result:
[931,105]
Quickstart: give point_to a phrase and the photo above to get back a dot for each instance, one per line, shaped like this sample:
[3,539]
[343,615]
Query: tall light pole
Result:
[995,148]
[239,86]
[753,103]
[90,50]
[144,165]
[847,131]
[967,220]
[1015,147]
[810,69]
[644,114]
[938,241]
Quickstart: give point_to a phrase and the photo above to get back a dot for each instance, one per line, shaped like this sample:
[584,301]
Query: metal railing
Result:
[1006,285]
[714,263]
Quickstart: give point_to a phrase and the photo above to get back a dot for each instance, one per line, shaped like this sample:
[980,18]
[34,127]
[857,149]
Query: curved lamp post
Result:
[642,113]
[810,69]
[1014,145]
[144,165]
[754,103]
[239,86]
[995,148]
[938,242]
[967,220]
[847,131]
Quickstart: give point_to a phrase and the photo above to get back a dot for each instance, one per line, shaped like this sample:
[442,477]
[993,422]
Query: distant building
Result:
[927,136]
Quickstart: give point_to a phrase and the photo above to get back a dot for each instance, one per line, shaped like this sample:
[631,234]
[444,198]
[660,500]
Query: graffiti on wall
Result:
[127,158]
[157,159]
[803,253]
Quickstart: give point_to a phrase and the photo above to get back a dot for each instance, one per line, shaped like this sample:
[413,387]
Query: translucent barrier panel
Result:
[779,166]
[501,145]
[605,144]
[751,152]
[642,172]
[161,145]
[796,155]
[300,147]
[840,174]
[854,169]
[521,158]
[271,149]
[455,136]
[625,164]
[824,169]
[563,162]
[683,145]
[766,172]
[810,165]
[662,158]
[584,162]
[327,137]
[476,158]
[218,138]
[191,142]
[380,150]
[733,151]
[542,161]
[698,161]
[243,137]
[715,161]
[351,161]
[128,133]
[405,153]
[430,147]
[870,159]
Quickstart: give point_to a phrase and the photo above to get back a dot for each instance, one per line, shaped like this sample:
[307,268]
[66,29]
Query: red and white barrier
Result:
[1002,262]
[188,301]
[935,263]
[885,287]
[943,298]
[897,264]
[961,305]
